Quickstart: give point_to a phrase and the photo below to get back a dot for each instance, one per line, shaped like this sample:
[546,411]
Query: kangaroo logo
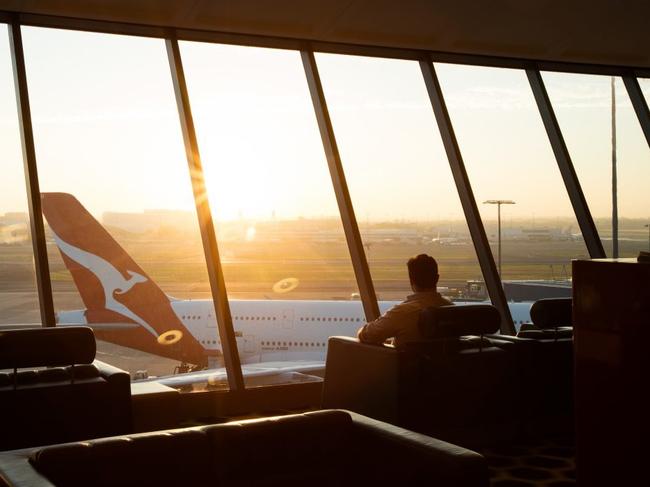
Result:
[112,281]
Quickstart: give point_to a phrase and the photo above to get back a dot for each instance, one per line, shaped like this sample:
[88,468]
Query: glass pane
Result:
[286,263]
[509,158]
[124,244]
[400,182]
[645,88]
[18,296]
[583,105]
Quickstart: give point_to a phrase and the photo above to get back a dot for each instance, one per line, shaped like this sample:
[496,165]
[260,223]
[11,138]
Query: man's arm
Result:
[378,331]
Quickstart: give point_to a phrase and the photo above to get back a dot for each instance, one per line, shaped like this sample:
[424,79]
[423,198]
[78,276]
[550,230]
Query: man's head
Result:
[423,273]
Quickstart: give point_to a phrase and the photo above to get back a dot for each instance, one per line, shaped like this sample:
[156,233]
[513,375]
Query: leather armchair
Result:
[457,385]
[54,390]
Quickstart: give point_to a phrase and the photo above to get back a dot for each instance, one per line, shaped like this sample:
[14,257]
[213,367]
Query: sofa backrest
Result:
[46,347]
[307,449]
[296,450]
[178,458]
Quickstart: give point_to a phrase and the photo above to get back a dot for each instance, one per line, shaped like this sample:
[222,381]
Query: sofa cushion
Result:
[55,374]
[85,408]
[35,377]
[179,458]
[441,348]
[83,371]
[546,334]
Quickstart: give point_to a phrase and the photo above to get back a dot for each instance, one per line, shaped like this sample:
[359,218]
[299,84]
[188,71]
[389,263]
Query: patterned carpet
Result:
[551,464]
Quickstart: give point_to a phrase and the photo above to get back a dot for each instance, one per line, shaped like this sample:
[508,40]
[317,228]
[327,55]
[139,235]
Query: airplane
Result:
[125,306]
[449,240]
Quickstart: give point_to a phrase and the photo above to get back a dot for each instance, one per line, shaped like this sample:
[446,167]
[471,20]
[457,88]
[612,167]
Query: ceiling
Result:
[610,32]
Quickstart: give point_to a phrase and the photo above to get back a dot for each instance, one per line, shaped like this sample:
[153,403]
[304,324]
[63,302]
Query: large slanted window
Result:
[583,105]
[286,263]
[399,178]
[18,296]
[644,83]
[511,166]
[123,241]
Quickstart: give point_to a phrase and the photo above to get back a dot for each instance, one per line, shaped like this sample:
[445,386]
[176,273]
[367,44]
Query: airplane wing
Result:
[258,374]
[94,326]
[104,326]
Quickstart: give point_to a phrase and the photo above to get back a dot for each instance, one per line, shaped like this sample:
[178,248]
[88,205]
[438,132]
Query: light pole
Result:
[614,176]
[648,227]
[499,203]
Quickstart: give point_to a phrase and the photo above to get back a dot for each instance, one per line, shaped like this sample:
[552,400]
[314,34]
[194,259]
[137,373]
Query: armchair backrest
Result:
[455,321]
[552,312]
[552,318]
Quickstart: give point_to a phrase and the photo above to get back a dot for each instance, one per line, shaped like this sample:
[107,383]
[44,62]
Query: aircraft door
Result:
[286,320]
[250,344]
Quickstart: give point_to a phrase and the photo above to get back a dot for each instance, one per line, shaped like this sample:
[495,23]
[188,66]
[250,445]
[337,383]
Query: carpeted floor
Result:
[551,464]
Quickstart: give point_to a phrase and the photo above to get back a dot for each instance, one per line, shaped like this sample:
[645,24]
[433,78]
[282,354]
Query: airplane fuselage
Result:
[271,330]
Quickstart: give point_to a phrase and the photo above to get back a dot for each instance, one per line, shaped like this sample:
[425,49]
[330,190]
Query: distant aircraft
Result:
[14,233]
[124,306]
[449,240]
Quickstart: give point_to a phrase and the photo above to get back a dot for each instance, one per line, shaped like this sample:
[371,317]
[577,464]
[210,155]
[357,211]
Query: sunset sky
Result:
[106,129]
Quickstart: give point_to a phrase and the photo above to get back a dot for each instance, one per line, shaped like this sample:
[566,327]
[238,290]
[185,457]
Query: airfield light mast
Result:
[614,176]
[499,203]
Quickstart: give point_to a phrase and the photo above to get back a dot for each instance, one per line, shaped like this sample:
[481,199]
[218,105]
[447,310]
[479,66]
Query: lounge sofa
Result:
[53,390]
[321,448]
[454,385]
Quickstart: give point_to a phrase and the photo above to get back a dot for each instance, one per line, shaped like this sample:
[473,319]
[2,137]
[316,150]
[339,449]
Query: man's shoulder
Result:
[415,303]
[405,306]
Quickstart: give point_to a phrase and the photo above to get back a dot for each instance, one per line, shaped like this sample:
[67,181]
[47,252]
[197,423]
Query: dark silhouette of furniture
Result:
[455,384]
[322,448]
[544,358]
[612,333]
[64,395]
[551,319]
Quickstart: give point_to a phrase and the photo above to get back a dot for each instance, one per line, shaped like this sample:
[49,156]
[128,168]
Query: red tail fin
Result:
[113,287]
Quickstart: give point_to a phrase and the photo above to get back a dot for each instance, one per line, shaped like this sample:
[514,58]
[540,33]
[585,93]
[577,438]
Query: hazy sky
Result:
[106,130]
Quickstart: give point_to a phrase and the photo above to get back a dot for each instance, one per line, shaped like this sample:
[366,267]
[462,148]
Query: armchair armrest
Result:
[113,375]
[120,396]
[15,469]
[422,459]
[107,370]
[362,378]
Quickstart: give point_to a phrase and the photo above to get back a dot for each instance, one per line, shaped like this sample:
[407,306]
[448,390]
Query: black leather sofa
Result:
[455,385]
[322,448]
[53,391]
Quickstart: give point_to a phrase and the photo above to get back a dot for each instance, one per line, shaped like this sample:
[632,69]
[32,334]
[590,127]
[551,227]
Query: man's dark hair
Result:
[423,271]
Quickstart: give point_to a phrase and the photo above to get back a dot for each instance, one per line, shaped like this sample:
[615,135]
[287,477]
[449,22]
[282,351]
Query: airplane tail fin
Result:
[112,286]
[96,261]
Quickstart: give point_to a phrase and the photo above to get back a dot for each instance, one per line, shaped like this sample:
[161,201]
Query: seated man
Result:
[401,321]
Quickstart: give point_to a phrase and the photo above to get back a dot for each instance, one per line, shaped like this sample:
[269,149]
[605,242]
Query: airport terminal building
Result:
[201,203]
